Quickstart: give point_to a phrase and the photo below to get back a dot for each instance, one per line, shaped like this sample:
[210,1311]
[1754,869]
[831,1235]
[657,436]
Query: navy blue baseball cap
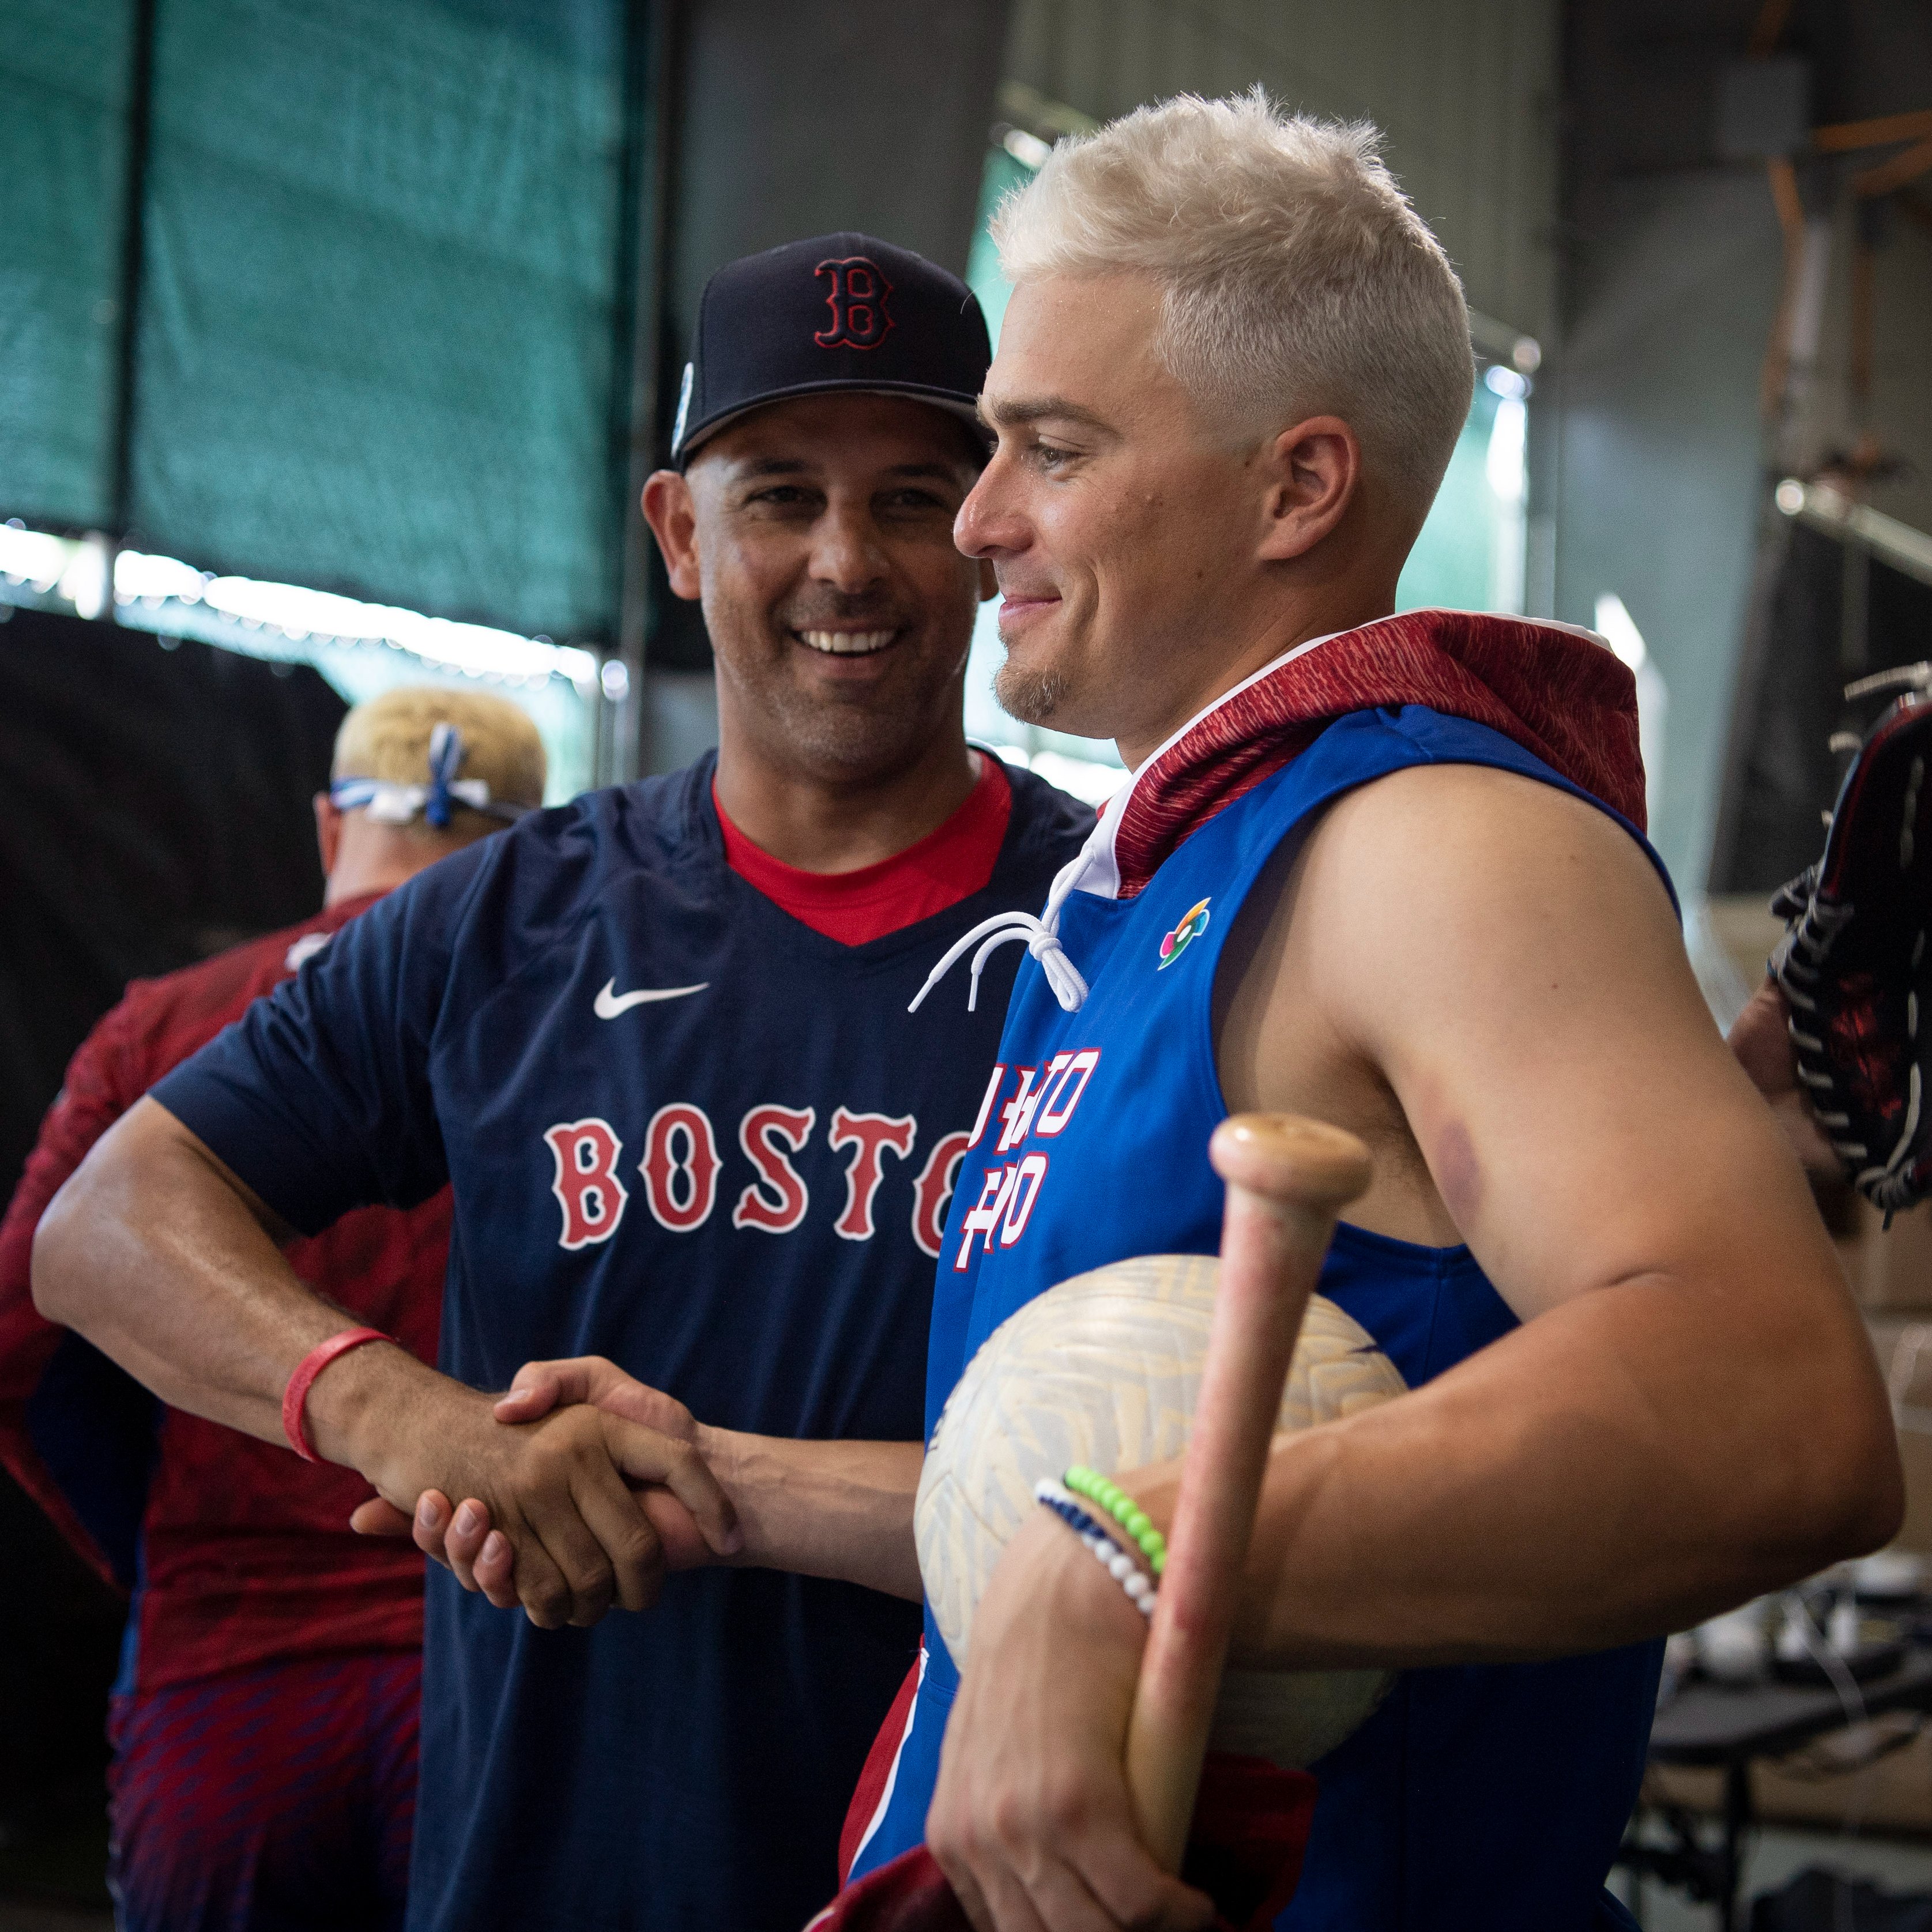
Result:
[838,312]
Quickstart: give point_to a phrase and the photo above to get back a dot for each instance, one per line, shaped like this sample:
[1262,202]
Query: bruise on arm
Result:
[1451,1155]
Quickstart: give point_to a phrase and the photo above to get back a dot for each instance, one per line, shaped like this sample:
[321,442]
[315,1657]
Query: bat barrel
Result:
[1288,1178]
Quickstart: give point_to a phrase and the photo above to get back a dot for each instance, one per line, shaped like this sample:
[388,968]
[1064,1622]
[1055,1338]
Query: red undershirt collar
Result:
[950,863]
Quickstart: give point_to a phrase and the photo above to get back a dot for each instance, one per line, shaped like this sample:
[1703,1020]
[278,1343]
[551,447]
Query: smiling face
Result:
[818,533]
[1150,558]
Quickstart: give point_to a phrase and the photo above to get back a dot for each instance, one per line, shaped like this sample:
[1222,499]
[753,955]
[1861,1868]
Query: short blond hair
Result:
[1296,277]
[388,738]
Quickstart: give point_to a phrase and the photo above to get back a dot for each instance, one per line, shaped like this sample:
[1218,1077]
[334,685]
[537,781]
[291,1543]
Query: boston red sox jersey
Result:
[236,1553]
[686,1131]
[1487,1798]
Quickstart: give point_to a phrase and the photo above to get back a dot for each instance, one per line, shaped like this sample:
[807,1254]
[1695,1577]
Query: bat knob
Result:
[1289,1159]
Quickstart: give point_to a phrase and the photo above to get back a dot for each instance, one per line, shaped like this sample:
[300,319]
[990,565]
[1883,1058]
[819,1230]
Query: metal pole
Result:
[1738,1813]
[653,40]
[140,107]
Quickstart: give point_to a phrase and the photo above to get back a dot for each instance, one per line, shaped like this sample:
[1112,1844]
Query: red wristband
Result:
[294,1426]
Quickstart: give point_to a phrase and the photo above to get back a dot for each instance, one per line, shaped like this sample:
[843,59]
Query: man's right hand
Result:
[831,1508]
[539,1387]
[557,1495]
[166,1262]
[1760,1038]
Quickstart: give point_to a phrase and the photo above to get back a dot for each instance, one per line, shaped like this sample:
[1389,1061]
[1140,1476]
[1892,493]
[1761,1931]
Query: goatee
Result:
[1031,696]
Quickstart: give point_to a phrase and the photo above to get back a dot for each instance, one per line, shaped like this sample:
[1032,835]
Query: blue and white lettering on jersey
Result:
[1489,1798]
[688,1132]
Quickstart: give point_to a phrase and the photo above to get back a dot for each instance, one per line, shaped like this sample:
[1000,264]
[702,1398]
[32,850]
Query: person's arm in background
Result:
[1760,1038]
[166,1257]
[100,1085]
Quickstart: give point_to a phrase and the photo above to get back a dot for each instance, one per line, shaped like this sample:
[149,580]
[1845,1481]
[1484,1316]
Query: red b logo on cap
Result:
[857,300]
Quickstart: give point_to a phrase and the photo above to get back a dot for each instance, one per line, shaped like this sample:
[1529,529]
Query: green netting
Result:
[63,93]
[378,339]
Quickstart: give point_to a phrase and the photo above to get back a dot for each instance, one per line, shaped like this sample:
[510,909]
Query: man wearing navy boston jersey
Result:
[657,1041]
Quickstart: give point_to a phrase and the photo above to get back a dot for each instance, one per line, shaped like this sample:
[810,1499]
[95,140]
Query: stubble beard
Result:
[1031,696]
[848,741]
[860,736]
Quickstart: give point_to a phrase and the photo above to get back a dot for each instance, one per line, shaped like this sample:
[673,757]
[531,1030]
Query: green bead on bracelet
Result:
[1105,1494]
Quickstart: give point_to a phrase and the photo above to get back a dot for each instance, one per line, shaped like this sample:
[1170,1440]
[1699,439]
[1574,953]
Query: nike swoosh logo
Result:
[609,1003]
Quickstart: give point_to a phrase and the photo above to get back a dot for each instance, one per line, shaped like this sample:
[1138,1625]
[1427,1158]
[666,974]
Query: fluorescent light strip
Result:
[35,559]
[32,557]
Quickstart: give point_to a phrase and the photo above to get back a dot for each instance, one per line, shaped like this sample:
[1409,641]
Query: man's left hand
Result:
[1031,1821]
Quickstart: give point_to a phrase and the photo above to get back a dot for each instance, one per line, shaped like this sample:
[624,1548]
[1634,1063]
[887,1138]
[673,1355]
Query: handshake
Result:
[580,1488]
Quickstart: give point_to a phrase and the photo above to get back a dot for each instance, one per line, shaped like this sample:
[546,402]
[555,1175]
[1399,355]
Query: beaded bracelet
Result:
[1111,1558]
[1070,1509]
[1125,1511]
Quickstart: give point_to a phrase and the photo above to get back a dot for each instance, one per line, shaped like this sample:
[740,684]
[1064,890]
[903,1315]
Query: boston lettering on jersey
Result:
[681,1166]
[733,1188]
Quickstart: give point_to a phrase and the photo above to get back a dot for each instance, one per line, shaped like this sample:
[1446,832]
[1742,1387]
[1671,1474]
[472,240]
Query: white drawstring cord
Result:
[1041,937]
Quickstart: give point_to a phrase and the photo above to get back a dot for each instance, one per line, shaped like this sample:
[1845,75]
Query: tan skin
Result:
[829,515]
[1761,1039]
[1690,1412]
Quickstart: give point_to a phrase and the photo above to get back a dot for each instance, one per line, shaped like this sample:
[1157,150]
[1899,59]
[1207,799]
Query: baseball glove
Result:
[1853,963]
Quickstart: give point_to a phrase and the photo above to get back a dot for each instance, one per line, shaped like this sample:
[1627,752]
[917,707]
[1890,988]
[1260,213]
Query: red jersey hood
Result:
[1560,693]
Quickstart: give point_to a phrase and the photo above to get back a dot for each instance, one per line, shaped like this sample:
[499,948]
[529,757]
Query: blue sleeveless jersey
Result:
[1490,1798]
[687,1132]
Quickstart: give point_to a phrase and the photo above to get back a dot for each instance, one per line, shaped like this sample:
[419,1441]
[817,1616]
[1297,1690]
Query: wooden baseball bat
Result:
[1288,1178]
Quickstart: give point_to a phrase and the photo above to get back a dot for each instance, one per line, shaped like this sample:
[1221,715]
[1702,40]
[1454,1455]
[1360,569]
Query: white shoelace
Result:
[1042,935]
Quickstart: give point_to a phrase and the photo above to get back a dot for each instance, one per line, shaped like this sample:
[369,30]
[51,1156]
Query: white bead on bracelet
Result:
[1119,1565]
[1141,1592]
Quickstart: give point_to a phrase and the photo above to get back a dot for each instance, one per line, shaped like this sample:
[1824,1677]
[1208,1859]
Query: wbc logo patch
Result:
[1185,931]
[860,318]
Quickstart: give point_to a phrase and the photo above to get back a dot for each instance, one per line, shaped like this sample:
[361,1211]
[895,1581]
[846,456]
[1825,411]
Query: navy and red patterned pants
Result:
[278,1798]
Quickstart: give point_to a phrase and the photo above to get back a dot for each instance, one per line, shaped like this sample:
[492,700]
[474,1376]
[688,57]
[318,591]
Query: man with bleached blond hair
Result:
[1230,378]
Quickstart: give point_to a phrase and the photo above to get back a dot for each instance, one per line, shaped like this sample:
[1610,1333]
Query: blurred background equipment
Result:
[154,809]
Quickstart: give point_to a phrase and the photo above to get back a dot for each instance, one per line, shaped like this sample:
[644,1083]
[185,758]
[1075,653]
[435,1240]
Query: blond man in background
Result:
[264,1723]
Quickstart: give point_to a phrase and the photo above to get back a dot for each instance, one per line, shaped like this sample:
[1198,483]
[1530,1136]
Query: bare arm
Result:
[1691,1413]
[824,1509]
[1760,1038]
[225,1320]
[156,1252]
